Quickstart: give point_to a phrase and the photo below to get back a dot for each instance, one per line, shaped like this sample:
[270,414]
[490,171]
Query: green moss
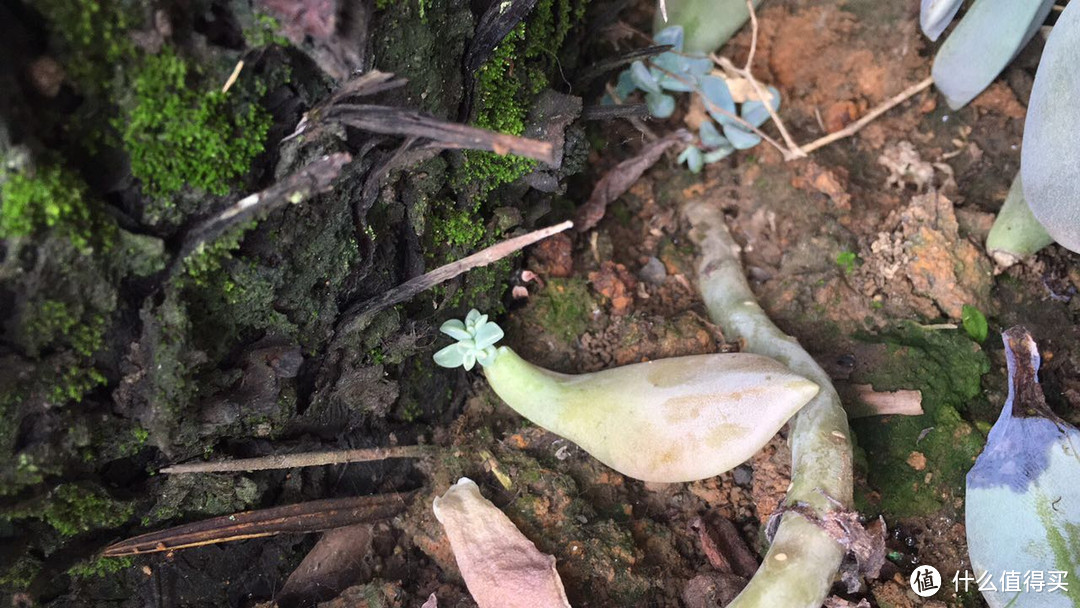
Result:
[93,34]
[21,573]
[53,324]
[52,198]
[564,307]
[264,32]
[947,368]
[73,509]
[101,567]
[177,135]
[461,228]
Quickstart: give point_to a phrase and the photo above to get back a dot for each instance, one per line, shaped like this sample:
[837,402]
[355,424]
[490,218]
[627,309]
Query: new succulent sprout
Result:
[1050,160]
[1023,499]
[708,23]
[678,71]
[987,38]
[1016,232]
[669,420]
[801,563]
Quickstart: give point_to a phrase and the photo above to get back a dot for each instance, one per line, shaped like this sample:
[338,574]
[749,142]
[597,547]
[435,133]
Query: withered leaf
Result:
[501,568]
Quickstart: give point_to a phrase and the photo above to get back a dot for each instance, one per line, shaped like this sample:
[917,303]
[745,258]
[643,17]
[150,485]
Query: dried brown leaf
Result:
[501,568]
[619,179]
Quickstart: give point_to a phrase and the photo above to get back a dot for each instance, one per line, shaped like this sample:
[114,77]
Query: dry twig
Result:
[304,517]
[360,314]
[302,459]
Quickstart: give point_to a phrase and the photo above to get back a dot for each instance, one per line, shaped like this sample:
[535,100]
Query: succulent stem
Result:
[799,567]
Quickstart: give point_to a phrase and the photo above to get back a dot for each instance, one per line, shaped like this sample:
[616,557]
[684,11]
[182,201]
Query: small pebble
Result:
[653,272]
[742,475]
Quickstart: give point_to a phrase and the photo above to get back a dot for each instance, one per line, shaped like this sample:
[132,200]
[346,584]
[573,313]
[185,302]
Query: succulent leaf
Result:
[991,33]
[716,92]
[672,35]
[660,105]
[740,138]
[643,78]
[936,15]
[1050,158]
[755,112]
[693,159]
[1023,502]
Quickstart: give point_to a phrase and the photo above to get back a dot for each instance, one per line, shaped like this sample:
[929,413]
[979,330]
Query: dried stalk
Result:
[302,459]
[360,314]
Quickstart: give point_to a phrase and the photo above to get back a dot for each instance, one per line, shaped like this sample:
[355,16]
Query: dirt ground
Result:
[867,252]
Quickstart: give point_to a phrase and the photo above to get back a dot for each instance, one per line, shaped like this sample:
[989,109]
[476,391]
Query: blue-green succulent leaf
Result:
[716,92]
[693,159]
[710,137]
[698,66]
[625,85]
[740,138]
[936,15]
[1023,499]
[674,75]
[455,329]
[452,356]
[660,105]
[487,335]
[987,38]
[672,35]
[718,154]
[1051,152]
[643,78]
[755,112]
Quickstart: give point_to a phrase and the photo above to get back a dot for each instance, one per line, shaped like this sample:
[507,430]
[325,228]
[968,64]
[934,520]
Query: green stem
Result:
[799,567]
[1016,233]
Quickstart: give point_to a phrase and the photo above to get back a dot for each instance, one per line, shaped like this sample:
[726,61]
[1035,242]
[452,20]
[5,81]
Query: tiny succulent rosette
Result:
[476,338]
[674,71]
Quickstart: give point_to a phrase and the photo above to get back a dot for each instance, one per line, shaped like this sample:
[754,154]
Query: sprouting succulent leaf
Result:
[710,137]
[660,105]
[476,339]
[693,159]
[717,97]
[991,33]
[1023,502]
[669,420]
[1016,233]
[740,138]
[672,35]
[501,568]
[936,15]
[643,78]
[974,323]
[1051,151]
[755,112]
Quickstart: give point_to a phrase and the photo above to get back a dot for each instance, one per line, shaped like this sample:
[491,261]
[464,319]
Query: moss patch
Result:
[177,135]
[563,307]
[52,197]
[918,463]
